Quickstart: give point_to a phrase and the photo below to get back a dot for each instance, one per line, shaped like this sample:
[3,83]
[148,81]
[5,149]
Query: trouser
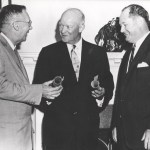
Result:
[121,141]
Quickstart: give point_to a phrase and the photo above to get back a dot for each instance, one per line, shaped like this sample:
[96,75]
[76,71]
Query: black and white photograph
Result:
[74,75]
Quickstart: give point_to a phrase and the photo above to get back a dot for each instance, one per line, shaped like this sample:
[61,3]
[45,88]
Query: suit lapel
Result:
[9,49]
[67,64]
[21,66]
[122,74]
[13,57]
[84,58]
[139,56]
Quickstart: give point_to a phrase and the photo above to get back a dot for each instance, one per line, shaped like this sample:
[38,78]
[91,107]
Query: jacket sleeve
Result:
[41,75]
[106,78]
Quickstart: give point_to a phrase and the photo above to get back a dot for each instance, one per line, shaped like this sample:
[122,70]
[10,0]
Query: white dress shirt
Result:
[139,43]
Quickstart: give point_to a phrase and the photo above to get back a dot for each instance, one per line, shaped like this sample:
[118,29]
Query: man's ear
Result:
[82,26]
[15,26]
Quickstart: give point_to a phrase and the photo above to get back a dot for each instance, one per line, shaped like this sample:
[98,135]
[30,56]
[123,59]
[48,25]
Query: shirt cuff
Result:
[100,102]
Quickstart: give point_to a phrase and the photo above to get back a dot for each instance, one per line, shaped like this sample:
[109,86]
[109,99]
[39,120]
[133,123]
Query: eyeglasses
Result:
[28,22]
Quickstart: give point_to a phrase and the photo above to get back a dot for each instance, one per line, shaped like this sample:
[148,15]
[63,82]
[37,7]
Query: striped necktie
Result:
[75,61]
[131,56]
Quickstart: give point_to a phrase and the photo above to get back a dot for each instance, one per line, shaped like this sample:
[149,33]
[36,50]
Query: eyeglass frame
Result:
[28,22]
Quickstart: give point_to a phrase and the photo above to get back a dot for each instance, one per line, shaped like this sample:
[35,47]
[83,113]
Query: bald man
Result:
[71,122]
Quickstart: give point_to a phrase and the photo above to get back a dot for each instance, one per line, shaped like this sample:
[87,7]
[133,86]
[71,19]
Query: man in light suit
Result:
[71,122]
[131,115]
[16,94]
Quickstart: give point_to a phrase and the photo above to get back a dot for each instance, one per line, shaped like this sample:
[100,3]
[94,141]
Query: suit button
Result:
[75,113]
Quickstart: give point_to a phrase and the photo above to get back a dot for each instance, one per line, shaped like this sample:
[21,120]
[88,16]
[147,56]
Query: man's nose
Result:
[64,29]
[122,29]
[30,28]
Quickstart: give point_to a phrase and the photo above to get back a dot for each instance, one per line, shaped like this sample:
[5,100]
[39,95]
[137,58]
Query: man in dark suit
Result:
[131,115]
[72,121]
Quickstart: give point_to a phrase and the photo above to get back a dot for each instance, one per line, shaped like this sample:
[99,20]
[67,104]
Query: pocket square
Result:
[142,64]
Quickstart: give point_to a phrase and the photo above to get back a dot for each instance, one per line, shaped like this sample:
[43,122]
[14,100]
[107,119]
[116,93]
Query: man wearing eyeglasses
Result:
[16,94]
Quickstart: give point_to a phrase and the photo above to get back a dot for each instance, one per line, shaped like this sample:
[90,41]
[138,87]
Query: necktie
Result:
[131,56]
[75,61]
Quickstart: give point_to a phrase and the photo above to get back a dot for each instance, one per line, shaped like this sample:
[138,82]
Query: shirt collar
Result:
[78,48]
[8,40]
[140,41]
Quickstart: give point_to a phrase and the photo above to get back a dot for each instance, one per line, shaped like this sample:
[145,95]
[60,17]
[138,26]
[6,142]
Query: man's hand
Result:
[146,139]
[50,92]
[114,134]
[98,93]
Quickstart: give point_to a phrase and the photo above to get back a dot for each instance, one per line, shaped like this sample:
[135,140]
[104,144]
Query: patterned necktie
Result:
[75,61]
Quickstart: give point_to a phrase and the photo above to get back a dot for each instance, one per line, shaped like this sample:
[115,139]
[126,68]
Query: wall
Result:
[45,15]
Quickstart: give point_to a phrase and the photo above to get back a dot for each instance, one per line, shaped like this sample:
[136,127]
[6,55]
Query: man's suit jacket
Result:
[132,98]
[15,96]
[75,111]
